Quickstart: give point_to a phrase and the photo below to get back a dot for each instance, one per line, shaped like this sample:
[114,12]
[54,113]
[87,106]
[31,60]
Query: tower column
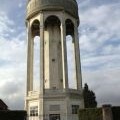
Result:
[41,102]
[77,59]
[30,60]
[64,55]
[41,54]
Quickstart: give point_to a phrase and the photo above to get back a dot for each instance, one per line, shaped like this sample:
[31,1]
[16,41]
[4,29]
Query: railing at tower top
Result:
[61,91]
[55,92]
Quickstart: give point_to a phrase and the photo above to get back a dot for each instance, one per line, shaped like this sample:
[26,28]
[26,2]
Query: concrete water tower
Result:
[53,20]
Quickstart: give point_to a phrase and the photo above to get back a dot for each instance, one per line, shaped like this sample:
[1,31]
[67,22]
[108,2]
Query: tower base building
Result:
[52,21]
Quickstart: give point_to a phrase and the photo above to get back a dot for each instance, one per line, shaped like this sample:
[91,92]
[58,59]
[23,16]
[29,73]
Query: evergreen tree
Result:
[89,97]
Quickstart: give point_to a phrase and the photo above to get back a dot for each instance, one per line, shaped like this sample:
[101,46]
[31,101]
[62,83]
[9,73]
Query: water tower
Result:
[53,20]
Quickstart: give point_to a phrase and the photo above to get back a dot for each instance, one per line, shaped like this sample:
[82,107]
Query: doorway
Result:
[54,117]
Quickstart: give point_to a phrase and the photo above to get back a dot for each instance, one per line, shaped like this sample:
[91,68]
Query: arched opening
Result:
[69,27]
[70,44]
[52,20]
[35,28]
[36,54]
[53,53]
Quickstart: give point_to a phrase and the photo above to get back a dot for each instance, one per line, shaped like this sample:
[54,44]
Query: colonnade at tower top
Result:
[55,29]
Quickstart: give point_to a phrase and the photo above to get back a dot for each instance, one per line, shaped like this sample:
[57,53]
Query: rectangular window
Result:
[75,109]
[34,111]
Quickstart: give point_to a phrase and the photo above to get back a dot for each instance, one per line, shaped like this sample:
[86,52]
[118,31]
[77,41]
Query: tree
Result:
[89,97]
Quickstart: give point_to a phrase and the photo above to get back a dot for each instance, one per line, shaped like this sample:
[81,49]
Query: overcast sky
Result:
[99,38]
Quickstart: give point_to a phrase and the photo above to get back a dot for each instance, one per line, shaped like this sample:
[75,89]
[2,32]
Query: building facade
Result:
[53,20]
[3,106]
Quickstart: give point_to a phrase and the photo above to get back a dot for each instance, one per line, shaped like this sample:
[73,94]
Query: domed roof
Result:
[35,6]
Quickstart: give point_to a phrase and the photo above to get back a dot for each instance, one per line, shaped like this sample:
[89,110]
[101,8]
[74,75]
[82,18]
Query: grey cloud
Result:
[100,60]
[86,4]
[98,20]
[101,39]
[105,83]
[13,94]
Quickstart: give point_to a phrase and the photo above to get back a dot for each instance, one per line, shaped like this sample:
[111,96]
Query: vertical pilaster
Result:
[64,54]
[41,54]
[77,58]
[30,60]
[41,110]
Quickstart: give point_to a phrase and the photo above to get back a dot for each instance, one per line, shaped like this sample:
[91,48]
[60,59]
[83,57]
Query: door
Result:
[54,117]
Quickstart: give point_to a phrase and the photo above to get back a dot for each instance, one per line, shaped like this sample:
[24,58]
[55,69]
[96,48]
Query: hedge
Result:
[90,114]
[13,115]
